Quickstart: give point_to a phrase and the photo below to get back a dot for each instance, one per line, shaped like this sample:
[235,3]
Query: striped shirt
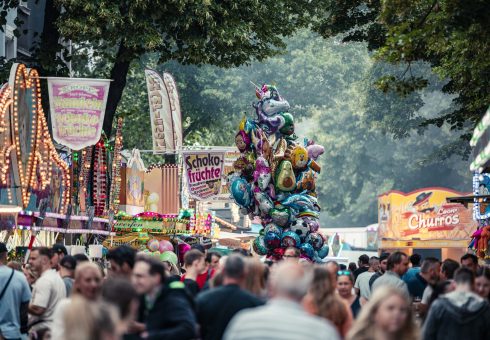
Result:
[279,319]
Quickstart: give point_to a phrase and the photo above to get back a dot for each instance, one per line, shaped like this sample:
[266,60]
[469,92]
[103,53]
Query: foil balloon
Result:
[287,127]
[280,216]
[323,252]
[241,192]
[301,202]
[269,125]
[263,202]
[307,249]
[284,177]
[290,239]
[165,246]
[272,106]
[300,227]
[315,151]
[242,141]
[259,245]
[299,157]
[315,240]
[262,173]
[271,227]
[153,245]
[272,240]
[306,181]
[312,223]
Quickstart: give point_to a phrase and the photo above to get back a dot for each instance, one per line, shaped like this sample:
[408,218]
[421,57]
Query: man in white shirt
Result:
[362,281]
[47,292]
[282,317]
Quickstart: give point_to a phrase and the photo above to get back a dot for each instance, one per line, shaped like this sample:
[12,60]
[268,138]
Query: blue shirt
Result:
[410,274]
[416,286]
[17,292]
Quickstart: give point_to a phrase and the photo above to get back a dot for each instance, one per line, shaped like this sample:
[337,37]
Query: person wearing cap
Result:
[59,251]
[15,295]
[67,272]
[170,261]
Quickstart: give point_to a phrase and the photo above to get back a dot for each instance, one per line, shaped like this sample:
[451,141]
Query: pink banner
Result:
[77,110]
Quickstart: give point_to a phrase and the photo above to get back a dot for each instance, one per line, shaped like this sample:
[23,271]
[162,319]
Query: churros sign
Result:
[423,215]
[204,171]
[77,109]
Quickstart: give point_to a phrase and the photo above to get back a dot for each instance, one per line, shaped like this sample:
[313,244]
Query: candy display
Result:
[274,179]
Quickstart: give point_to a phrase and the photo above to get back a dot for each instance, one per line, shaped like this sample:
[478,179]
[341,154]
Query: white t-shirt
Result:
[362,283]
[426,295]
[48,291]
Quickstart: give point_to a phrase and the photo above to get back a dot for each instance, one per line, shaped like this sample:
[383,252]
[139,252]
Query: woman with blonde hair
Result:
[323,301]
[387,316]
[255,279]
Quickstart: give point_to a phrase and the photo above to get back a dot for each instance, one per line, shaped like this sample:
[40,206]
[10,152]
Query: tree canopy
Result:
[451,36]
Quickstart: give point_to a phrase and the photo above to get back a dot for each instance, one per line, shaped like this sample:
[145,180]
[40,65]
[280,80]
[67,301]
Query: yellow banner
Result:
[423,215]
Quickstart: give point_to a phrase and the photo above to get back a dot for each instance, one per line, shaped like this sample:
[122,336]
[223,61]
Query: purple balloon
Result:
[166,246]
[183,248]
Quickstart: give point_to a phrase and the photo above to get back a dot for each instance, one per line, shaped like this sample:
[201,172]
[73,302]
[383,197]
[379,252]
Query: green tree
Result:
[450,35]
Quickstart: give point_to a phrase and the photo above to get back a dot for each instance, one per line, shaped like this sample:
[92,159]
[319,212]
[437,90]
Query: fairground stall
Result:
[43,185]
[423,222]
[480,167]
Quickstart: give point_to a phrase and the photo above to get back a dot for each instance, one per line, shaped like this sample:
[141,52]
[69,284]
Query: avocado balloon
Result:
[285,179]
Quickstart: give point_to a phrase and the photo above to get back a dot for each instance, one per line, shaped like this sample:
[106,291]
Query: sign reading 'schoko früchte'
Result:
[204,172]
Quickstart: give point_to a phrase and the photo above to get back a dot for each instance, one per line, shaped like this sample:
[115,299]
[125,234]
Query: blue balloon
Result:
[290,239]
[323,252]
[307,249]
[271,227]
[272,240]
[241,192]
[259,245]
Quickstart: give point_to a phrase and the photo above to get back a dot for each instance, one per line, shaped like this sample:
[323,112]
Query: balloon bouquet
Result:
[274,179]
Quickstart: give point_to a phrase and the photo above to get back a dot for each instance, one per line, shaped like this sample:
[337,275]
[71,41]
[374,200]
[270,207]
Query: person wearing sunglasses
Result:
[345,285]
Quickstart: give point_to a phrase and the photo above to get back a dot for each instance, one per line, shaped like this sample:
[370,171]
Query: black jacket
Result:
[172,314]
[216,307]
[458,315]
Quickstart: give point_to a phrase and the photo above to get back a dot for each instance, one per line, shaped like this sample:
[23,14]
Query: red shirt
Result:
[202,278]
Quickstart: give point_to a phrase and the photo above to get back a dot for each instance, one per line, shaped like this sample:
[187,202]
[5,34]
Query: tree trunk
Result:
[118,75]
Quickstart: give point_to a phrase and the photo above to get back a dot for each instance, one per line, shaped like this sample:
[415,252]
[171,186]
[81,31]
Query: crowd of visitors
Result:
[393,296]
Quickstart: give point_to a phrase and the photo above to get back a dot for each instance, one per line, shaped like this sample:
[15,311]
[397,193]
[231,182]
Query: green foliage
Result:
[329,85]
[450,35]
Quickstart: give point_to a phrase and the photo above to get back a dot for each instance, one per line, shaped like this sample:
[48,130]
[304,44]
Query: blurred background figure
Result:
[283,316]
[170,262]
[195,265]
[86,319]
[216,307]
[363,265]
[121,294]
[15,265]
[47,292]
[121,261]
[460,314]
[352,267]
[446,284]
[165,309]
[469,261]
[345,285]
[256,277]
[362,282]
[415,260]
[397,265]
[58,252]
[212,260]
[383,265]
[387,315]
[14,299]
[482,282]
[323,301]
[86,285]
[30,275]
[428,274]
[67,267]
[291,254]
[333,267]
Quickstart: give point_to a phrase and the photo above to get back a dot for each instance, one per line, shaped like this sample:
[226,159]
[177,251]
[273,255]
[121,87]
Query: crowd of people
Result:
[136,296]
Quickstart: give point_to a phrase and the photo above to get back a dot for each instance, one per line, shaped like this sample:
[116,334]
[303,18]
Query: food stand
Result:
[423,221]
